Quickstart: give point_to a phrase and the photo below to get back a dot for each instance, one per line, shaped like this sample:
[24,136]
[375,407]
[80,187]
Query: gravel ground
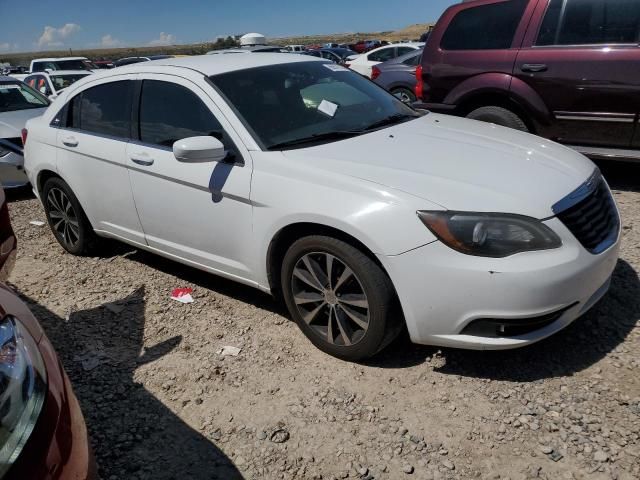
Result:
[162,403]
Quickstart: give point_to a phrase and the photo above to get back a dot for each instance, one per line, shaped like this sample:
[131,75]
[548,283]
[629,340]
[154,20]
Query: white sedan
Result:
[363,64]
[301,178]
[18,103]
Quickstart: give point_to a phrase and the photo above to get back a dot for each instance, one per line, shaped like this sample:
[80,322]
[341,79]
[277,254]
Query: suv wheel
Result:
[499,116]
[66,218]
[340,298]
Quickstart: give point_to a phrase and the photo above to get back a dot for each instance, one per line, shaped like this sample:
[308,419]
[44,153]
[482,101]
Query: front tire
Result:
[340,298]
[499,116]
[67,220]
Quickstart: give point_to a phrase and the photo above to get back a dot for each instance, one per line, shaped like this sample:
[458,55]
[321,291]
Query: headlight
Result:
[22,389]
[490,234]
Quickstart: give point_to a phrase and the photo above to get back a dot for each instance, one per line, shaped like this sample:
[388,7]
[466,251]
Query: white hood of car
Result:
[459,164]
[12,123]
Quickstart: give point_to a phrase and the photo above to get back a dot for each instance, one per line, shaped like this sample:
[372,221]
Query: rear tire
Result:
[67,219]
[349,312]
[499,116]
[404,94]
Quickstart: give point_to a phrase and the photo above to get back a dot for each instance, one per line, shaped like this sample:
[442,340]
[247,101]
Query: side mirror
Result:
[199,150]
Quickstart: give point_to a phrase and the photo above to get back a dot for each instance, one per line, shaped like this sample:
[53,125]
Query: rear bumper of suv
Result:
[455,300]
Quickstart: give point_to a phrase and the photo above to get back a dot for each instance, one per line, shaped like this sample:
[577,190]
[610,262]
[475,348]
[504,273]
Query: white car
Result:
[301,178]
[52,83]
[363,64]
[18,103]
[60,63]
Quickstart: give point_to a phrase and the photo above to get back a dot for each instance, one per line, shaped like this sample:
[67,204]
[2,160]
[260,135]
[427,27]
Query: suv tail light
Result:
[419,83]
[24,137]
[375,72]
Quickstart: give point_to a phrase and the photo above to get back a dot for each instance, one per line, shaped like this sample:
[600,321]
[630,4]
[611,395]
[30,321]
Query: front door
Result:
[198,212]
[582,58]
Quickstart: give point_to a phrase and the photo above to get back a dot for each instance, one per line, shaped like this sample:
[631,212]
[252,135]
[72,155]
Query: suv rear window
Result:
[590,22]
[486,27]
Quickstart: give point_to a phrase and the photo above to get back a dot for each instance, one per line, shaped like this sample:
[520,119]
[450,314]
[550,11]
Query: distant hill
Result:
[411,32]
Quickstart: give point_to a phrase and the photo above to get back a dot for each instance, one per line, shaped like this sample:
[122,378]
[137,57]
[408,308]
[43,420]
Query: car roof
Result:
[417,45]
[216,64]
[64,72]
[6,79]
[57,59]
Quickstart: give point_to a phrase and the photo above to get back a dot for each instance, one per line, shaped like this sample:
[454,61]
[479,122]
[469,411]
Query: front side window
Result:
[18,96]
[590,22]
[171,112]
[105,109]
[486,27]
[308,102]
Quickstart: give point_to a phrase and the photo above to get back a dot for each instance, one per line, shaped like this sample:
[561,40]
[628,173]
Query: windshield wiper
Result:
[391,120]
[316,137]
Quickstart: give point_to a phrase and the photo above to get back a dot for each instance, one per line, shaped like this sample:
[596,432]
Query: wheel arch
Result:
[288,234]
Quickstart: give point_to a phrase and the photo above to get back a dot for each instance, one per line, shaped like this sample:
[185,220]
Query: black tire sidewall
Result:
[85,230]
[500,116]
[374,281]
[411,95]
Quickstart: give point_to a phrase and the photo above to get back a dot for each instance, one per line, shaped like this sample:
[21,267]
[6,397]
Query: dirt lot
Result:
[161,403]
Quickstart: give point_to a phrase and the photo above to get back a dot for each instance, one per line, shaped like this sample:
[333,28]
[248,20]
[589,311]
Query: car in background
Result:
[161,156]
[14,70]
[18,103]
[43,430]
[104,64]
[398,75]
[249,49]
[364,63]
[52,83]
[131,60]
[295,48]
[336,55]
[61,63]
[566,70]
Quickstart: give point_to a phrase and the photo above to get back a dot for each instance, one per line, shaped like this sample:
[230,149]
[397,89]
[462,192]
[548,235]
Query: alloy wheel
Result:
[330,298]
[64,219]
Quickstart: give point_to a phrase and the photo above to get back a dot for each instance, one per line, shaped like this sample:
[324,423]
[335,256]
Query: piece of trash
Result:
[182,295]
[229,351]
[36,223]
[114,307]
[279,436]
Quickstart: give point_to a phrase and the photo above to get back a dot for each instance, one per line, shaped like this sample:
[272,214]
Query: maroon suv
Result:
[568,70]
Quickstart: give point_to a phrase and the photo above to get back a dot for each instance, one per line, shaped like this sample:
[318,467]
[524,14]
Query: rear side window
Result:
[590,22]
[383,55]
[413,61]
[486,27]
[171,112]
[105,109]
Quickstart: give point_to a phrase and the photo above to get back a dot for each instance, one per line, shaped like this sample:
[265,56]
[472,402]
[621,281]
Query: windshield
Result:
[18,96]
[291,102]
[63,81]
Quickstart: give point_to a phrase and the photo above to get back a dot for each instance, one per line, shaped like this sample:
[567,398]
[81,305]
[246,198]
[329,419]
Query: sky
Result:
[47,25]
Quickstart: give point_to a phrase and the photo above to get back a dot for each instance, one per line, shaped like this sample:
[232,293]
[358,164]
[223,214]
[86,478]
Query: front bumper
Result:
[442,291]
[12,174]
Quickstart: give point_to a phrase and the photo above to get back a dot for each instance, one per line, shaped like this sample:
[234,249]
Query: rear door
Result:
[479,39]
[93,131]
[582,58]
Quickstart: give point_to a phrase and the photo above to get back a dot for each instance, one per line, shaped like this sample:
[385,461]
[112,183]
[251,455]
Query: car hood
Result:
[459,164]
[12,123]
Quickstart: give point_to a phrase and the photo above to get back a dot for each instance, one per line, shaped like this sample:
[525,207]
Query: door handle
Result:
[534,67]
[141,159]
[70,141]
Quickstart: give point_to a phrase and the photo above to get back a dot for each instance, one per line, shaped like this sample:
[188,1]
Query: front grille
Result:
[594,219]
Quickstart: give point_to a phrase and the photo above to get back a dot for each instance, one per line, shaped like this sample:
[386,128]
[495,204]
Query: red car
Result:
[566,70]
[42,431]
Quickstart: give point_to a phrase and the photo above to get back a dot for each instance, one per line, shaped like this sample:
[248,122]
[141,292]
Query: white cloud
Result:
[54,37]
[109,41]
[164,39]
